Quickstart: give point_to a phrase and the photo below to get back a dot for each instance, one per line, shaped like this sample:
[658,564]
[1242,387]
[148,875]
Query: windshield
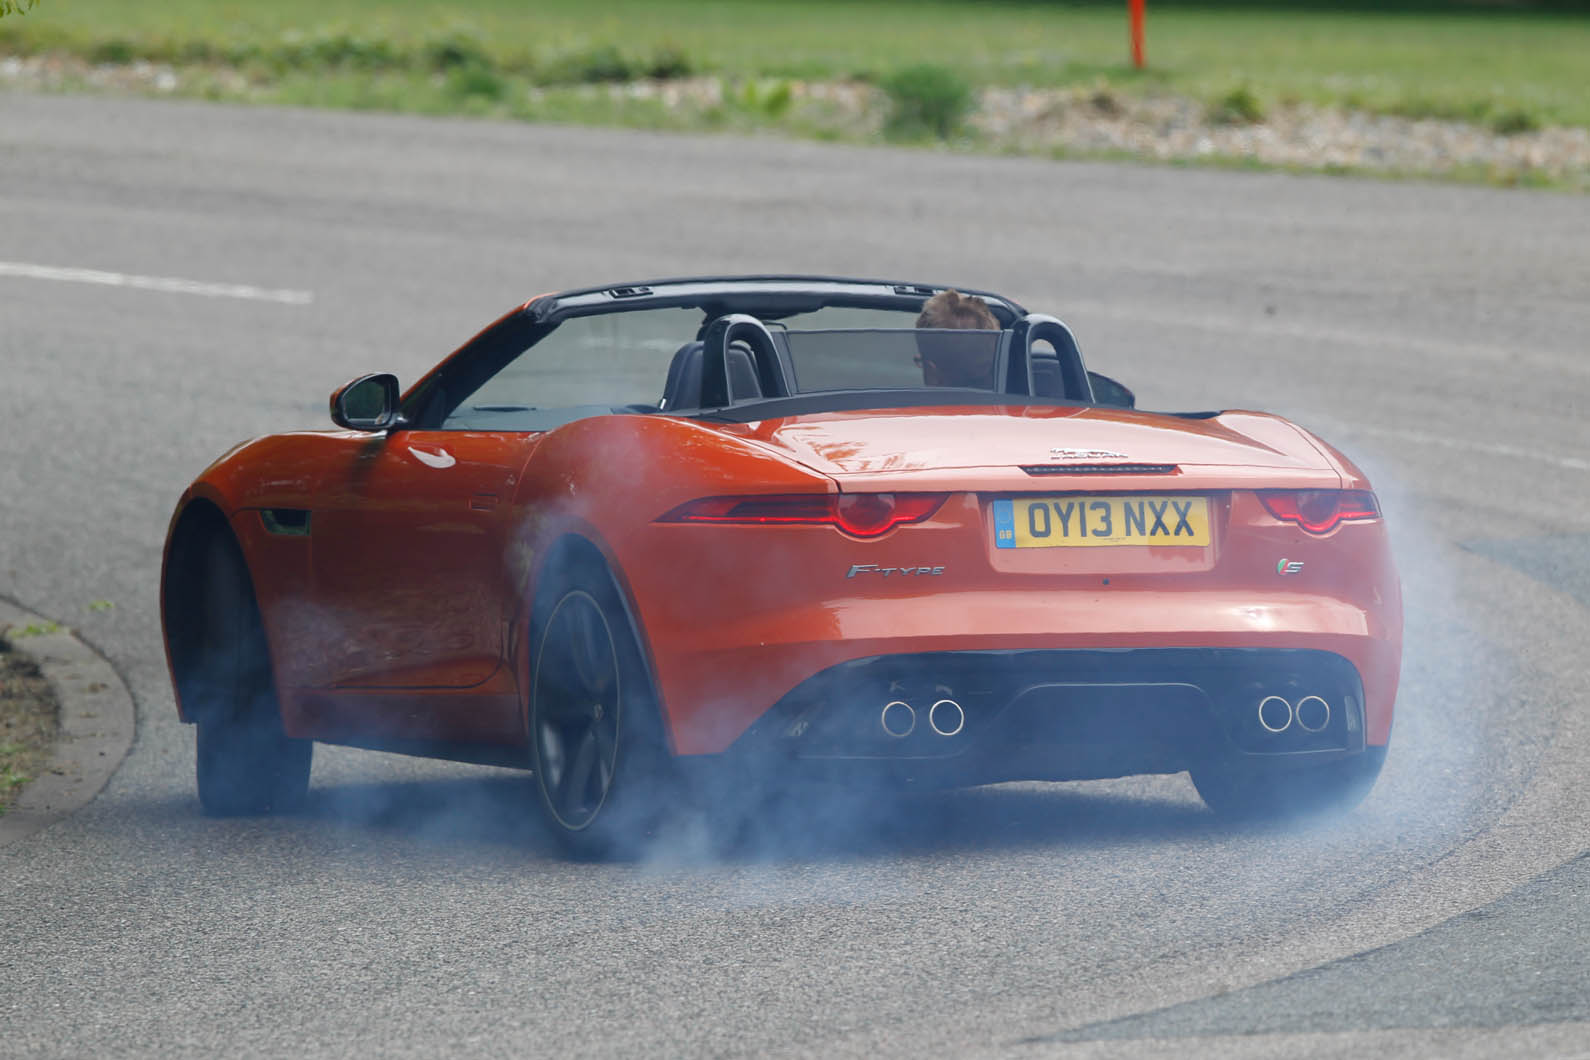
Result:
[607,360]
[635,360]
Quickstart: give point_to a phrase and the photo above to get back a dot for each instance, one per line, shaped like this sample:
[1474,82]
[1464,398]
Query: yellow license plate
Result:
[1082,521]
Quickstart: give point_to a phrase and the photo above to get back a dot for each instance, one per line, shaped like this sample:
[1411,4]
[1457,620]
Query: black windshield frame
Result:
[769,298]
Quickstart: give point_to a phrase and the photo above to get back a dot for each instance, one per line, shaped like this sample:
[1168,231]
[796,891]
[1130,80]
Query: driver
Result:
[957,360]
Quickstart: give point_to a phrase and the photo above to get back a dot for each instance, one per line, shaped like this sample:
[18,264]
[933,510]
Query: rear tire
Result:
[1247,791]
[602,769]
[246,762]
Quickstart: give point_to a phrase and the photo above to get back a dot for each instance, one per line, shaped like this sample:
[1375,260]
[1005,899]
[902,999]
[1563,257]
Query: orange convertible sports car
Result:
[771,521]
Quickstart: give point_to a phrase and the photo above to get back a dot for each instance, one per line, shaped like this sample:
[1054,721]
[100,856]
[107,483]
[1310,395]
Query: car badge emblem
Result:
[1289,566]
[441,459]
[1060,453]
[904,572]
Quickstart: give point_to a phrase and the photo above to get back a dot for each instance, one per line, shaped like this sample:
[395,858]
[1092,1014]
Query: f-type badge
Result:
[873,568]
[1289,566]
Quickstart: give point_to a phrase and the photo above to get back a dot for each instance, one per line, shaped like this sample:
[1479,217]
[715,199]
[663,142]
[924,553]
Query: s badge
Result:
[1289,566]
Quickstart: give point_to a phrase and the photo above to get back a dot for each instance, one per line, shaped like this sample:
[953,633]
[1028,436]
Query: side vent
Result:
[285,522]
[1100,469]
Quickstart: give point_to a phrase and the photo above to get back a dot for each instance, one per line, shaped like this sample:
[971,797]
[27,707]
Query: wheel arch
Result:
[574,551]
[197,524]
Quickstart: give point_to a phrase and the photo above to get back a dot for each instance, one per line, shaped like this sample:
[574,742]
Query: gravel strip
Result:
[1299,135]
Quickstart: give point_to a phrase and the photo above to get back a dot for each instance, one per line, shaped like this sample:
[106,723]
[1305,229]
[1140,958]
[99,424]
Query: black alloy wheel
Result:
[578,695]
[597,750]
[246,762]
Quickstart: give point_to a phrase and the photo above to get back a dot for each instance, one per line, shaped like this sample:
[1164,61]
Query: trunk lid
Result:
[1030,484]
[844,445]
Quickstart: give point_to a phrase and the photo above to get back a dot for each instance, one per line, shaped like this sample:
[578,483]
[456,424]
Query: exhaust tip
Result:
[1275,714]
[947,717]
[1313,714]
[898,719]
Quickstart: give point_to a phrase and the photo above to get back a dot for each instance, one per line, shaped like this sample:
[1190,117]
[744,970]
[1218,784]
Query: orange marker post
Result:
[1135,8]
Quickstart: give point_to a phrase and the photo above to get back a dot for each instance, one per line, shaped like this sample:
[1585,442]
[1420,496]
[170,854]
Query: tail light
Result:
[857,514]
[1320,511]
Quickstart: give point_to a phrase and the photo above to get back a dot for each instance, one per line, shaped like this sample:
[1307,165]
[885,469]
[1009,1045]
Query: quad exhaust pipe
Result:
[1277,714]
[944,717]
[1312,714]
[898,719]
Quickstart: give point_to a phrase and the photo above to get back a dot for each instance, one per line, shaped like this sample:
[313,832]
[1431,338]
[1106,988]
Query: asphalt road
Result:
[1436,333]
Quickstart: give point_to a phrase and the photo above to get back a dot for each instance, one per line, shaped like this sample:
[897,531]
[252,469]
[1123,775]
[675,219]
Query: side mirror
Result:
[1107,391]
[368,403]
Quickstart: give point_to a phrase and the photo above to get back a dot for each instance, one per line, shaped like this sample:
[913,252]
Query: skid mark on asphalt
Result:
[1561,561]
[1536,950]
[1533,971]
[169,284]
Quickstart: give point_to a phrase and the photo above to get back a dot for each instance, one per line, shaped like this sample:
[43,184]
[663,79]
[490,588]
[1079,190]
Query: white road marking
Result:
[156,283]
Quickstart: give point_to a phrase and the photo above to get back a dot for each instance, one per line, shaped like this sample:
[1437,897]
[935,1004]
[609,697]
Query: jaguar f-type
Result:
[628,532]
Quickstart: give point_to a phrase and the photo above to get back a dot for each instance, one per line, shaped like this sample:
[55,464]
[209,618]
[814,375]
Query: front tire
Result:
[246,762]
[1246,791]
[597,749]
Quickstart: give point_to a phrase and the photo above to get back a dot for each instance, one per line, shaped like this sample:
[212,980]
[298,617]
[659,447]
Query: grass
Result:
[1238,106]
[908,70]
[1517,65]
[35,629]
[27,723]
[927,100]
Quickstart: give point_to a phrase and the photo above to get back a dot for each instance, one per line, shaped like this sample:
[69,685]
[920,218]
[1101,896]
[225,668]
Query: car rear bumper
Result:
[986,716]
[719,679]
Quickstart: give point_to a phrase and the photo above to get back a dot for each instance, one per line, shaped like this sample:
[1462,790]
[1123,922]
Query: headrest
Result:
[683,387]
